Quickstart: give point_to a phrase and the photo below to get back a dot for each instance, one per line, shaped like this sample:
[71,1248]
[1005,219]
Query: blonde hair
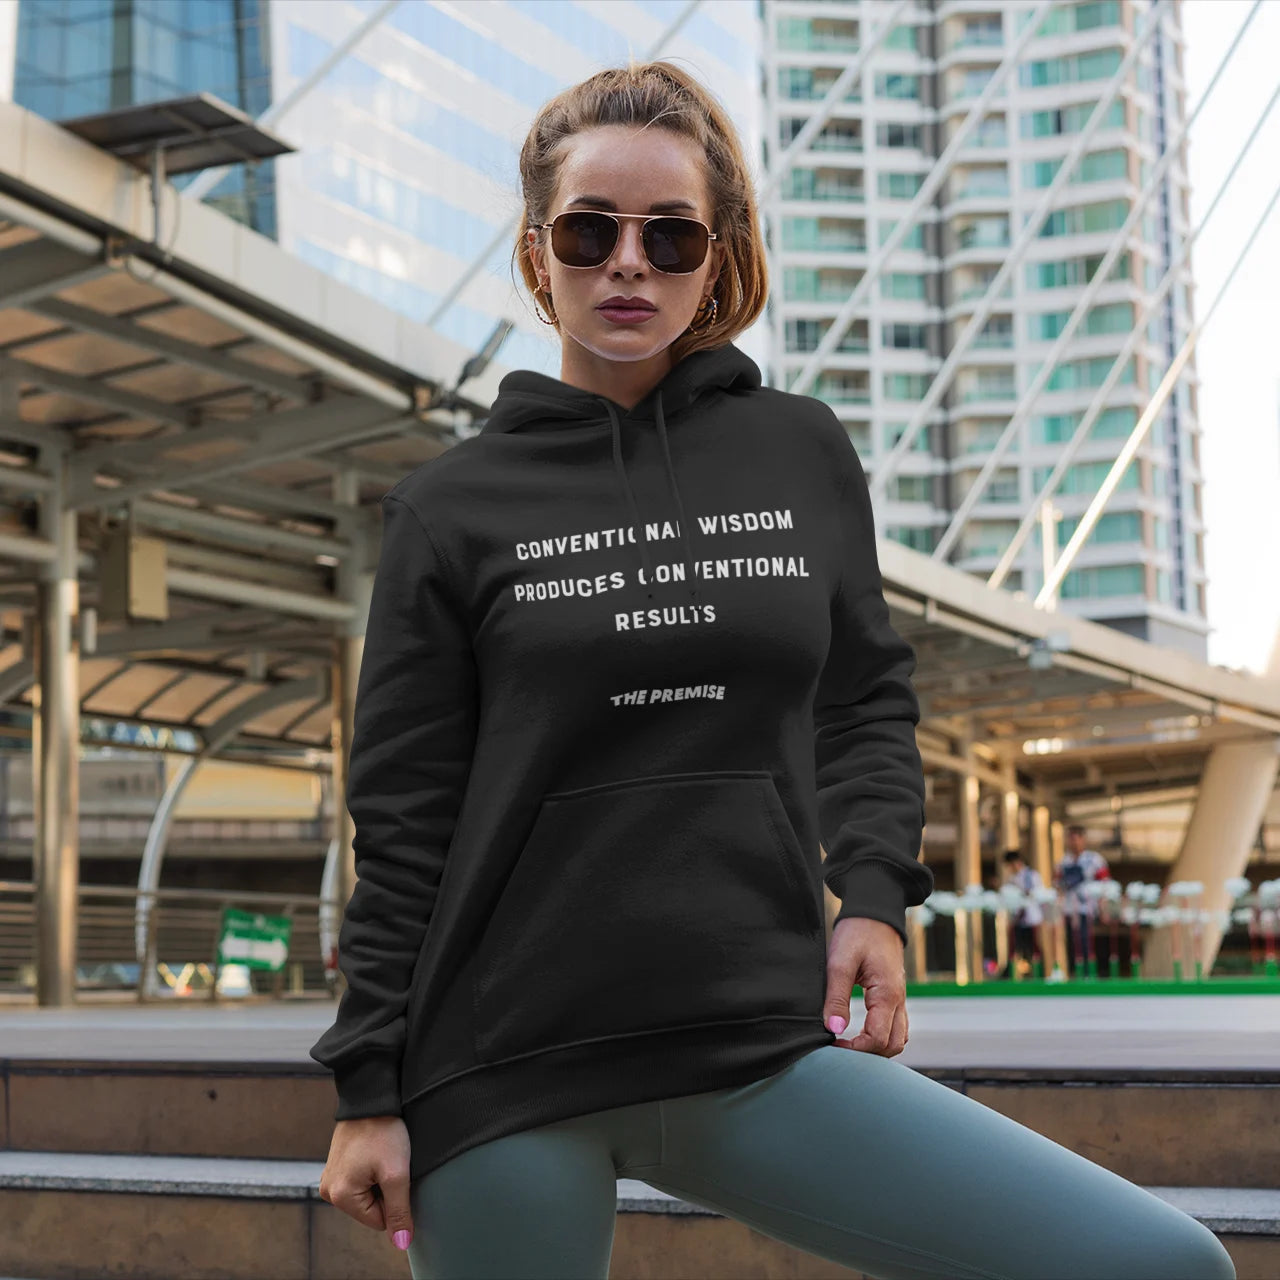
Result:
[661,94]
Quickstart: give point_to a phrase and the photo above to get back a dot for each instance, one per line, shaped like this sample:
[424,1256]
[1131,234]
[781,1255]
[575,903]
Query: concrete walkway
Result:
[1106,1032]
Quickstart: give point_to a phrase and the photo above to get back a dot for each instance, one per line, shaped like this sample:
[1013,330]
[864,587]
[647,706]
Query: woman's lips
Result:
[627,315]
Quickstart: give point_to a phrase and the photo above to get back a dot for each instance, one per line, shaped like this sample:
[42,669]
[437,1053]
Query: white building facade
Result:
[1142,568]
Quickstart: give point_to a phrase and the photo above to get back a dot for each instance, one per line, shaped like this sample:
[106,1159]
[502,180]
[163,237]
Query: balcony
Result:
[799,40]
[978,38]
[805,241]
[989,391]
[849,192]
[981,190]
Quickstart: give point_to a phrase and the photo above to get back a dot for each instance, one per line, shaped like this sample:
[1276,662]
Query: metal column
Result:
[968,867]
[1042,861]
[55,747]
[1057,847]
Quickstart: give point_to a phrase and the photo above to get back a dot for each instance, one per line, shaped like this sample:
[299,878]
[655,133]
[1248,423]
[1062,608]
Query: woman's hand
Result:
[869,954]
[367,1175]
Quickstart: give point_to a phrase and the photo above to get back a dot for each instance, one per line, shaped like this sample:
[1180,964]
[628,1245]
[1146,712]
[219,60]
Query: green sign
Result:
[255,940]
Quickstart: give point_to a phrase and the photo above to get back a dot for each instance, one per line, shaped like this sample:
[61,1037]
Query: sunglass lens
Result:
[676,244]
[584,239]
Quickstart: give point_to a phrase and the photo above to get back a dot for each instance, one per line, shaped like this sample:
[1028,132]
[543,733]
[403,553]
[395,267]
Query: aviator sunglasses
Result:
[587,238]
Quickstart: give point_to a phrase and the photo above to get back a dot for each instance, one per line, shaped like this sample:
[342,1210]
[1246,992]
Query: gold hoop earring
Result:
[711,317]
[554,318]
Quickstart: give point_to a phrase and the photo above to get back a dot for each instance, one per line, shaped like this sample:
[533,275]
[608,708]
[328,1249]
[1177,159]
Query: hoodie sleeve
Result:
[869,772]
[411,750]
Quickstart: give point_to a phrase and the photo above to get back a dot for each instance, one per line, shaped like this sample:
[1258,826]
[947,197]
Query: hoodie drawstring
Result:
[641,543]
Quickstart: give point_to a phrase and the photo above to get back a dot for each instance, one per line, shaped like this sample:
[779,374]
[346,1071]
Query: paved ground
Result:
[1077,1031]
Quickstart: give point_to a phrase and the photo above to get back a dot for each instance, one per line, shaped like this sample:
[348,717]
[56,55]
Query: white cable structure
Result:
[1098,403]
[884,468]
[1100,278]
[841,86]
[503,234]
[203,182]
[1105,490]
[937,174]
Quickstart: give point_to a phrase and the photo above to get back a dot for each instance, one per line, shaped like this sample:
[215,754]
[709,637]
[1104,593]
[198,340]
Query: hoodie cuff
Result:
[873,890]
[368,1086]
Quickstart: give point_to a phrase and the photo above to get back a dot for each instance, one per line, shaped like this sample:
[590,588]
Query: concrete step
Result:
[1165,1127]
[81,1215]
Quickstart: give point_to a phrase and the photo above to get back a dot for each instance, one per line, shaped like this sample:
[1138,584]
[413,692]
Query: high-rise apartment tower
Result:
[1142,568]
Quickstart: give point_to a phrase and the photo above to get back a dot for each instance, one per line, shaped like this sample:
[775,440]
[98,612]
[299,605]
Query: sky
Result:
[1238,355]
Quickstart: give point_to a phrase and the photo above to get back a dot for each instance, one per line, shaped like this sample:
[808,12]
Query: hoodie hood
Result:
[528,401]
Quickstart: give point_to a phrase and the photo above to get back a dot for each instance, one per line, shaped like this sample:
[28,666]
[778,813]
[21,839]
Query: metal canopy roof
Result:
[228,393]
[242,406]
[195,132]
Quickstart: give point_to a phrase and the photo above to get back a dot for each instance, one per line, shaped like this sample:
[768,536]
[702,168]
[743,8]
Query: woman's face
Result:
[619,169]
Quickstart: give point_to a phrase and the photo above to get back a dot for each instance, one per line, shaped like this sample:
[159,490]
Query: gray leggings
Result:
[851,1156]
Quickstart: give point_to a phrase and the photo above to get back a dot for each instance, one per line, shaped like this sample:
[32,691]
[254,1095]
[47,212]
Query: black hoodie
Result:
[624,670]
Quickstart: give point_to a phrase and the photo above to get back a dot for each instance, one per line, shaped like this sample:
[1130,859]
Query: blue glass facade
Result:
[78,57]
[400,202]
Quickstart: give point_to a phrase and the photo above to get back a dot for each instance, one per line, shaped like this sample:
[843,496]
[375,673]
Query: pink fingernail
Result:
[401,1239]
[838,1024]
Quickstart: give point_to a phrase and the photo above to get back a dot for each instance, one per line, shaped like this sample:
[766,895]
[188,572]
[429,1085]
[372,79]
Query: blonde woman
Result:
[628,666]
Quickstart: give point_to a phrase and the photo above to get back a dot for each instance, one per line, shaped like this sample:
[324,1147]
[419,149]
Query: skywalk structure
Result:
[196,429]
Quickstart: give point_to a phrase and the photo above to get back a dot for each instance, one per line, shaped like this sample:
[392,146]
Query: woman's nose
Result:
[630,247]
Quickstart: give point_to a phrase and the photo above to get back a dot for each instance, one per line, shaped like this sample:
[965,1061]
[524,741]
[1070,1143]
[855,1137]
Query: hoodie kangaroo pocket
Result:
[648,904]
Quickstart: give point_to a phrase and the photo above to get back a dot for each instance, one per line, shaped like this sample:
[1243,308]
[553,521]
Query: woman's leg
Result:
[536,1205]
[859,1159]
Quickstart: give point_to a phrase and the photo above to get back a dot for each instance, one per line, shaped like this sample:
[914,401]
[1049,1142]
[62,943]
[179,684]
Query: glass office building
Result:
[79,57]
[406,172]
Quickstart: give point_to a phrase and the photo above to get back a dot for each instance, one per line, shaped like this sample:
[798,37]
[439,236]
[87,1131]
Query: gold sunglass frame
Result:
[646,218]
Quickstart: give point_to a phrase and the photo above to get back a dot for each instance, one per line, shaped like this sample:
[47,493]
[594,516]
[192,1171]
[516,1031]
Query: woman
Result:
[628,662]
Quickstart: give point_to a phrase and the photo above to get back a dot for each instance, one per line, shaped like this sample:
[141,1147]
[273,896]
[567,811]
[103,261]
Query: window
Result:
[907,337]
[893,433]
[802,335]
[912,488]
[1103,580]
[1058,428]
[1108,215]
[1114,317]
[1113,526]
[914,239]
[1086,477]
[1003,486]
[990,133]
[906,386]
[901,38]
[1077,374]
[1097,64]
[1072,119]
[997,332]
[983,233]
[1061,274]
[974,81]
[1079,17]
[918,539]
[980,31]
[890,84]
[900,135]
[899,186]
[1098,166]
[902,284]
